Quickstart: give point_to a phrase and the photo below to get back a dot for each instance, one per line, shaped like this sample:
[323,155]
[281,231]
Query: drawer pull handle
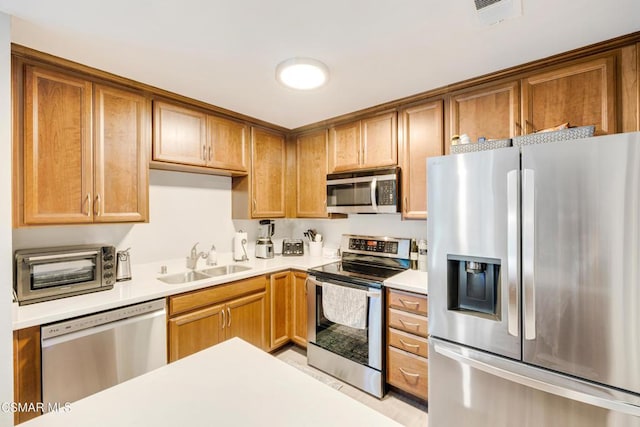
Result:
[223,319]
[228,317]
[409,345]
[410,324]
[408,302]
[409,374]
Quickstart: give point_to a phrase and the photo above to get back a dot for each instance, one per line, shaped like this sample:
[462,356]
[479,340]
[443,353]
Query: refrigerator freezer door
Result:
[580,258]
[474,212]
[475,389]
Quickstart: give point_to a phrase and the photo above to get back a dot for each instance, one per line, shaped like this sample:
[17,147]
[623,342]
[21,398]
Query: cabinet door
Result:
[58,171]
[299,310]
[422,137]
[492,112]
[379,141]
[122,132]
[344,147]
[27,371]
[179,134]
[280,309]
[582,94]
[311,175]
[246,318]
[268,167]
[195,331]
[228,144]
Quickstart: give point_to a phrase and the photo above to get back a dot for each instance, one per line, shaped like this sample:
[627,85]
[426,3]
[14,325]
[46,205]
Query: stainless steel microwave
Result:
[365,191]
[50,273]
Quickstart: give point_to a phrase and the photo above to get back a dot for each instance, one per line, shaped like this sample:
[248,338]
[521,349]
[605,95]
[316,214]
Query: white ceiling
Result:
[225,52]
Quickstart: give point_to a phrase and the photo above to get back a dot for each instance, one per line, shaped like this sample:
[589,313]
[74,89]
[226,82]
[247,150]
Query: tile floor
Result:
[394,405]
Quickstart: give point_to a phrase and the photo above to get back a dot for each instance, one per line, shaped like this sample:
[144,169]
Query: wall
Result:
[187,208]
[6,343]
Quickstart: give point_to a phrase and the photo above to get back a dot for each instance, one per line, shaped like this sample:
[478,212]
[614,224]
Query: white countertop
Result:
[145,286]
[409,280]
[230,384]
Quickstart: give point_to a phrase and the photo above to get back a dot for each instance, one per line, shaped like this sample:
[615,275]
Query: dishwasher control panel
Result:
[94,320]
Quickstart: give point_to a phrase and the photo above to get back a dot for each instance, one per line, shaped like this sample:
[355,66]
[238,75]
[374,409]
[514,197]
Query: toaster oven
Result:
[50,273]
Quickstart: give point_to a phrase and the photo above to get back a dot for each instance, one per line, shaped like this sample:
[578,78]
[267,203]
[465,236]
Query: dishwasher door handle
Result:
[48,342]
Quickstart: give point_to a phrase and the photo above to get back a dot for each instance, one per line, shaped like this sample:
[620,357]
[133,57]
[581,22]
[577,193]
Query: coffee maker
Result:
[264,245]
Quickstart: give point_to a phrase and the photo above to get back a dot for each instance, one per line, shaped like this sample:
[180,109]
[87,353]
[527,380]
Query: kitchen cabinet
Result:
[492,112]
[362,144]
[299,309]
[311,175]
[179,134]
[581,92]
[407,349]
[280,309]
[228,143]
[26,371]
[82,155]
[205,317]
[421,138]
[261,194]
[190,137]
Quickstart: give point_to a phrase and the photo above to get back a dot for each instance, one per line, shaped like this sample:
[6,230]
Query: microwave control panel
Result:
[387,194]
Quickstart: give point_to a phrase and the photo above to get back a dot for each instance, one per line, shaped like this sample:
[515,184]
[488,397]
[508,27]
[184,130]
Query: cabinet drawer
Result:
[215,294]
[408,322]
[408,301]
[408,372]
[408,342]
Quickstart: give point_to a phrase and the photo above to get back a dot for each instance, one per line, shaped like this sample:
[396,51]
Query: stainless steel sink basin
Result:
[224,269]
[189,276]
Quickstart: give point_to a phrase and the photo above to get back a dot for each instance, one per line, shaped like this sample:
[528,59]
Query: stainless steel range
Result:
[346,310]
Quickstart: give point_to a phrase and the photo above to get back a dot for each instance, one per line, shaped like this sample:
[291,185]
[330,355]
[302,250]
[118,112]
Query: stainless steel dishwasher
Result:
[85,355]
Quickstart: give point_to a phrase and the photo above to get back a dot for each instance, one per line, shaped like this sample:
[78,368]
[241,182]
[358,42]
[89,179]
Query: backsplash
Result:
[186,208]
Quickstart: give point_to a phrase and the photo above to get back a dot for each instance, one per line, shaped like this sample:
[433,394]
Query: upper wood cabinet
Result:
[268,167]
[311,175]
[492,112]
[421,138]
[190,137]
[82,155]
[367,143]
[228,143]
[179,134]
[122,132]
[581,93]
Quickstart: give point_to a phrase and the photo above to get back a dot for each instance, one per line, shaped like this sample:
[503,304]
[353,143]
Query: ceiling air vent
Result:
[493,11]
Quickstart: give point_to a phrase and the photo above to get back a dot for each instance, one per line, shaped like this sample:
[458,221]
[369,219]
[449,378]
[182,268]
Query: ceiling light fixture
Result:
[302,73]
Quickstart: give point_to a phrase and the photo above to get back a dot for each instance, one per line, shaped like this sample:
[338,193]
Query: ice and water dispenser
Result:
[473,284]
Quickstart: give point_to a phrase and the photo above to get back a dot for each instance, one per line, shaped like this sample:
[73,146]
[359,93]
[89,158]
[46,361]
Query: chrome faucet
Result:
[192,259]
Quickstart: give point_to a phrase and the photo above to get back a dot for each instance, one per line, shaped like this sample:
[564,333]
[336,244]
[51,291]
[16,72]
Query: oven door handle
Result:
[59,256]
[316,282]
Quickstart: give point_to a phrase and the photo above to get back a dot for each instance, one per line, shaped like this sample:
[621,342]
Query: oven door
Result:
[363,346]
[44,276]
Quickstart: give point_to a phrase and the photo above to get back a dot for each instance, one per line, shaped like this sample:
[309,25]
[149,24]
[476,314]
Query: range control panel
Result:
[380,246]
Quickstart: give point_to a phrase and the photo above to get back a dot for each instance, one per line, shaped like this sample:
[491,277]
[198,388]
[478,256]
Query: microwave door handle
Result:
[59,256]
[374,187]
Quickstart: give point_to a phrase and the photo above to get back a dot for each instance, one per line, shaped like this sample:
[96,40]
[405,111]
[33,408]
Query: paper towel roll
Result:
[239,251]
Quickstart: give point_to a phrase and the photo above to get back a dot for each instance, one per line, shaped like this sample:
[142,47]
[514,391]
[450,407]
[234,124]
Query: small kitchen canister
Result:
[422,255]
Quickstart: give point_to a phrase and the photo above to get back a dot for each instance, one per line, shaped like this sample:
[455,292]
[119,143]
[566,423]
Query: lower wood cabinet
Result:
[26,371]
[299,309]
[205,317]
[288,304]
[407,349]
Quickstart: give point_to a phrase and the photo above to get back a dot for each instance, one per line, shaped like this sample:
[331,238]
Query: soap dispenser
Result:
[212,259]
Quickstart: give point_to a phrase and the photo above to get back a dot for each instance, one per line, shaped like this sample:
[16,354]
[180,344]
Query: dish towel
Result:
[344,305]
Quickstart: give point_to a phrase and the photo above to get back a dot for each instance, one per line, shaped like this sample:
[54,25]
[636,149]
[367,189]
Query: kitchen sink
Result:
[192,276]
[189,276]
[224,269]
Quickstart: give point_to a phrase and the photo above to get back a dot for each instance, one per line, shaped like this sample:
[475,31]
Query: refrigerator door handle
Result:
[528,248]
[512,253]
[548,382]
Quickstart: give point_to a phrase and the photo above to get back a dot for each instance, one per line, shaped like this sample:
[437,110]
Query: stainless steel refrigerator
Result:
[534,285]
